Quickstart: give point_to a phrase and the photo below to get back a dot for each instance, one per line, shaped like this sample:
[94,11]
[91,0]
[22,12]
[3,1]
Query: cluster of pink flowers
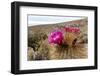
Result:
[56,37]
[72,29]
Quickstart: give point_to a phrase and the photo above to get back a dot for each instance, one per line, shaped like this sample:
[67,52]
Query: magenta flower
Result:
[72,29]
[56,37]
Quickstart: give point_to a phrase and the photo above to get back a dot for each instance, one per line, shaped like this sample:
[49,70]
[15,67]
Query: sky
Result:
[45,19]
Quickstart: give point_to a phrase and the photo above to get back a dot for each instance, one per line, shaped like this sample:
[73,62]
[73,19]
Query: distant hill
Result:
[49,27]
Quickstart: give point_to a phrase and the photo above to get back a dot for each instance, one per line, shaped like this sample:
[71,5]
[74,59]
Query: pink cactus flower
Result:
[72,29]
[56,37]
